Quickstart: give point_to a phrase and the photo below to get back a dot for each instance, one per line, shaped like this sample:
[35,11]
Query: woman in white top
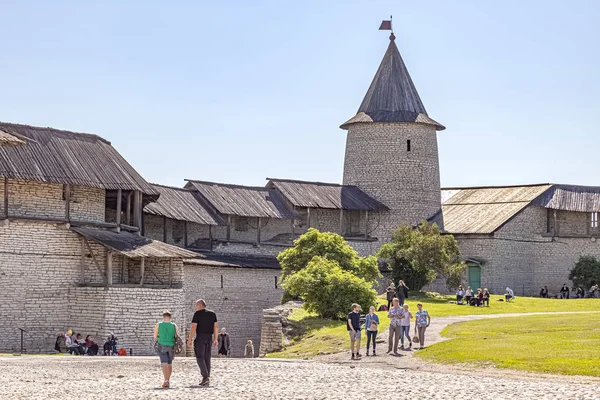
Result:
[405,327]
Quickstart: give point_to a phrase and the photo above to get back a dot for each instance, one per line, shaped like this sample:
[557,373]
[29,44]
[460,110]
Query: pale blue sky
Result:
[235,91]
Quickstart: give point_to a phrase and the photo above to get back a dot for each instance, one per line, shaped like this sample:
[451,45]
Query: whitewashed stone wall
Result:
[38,199]
[408,182]
[238,302]
[520,255]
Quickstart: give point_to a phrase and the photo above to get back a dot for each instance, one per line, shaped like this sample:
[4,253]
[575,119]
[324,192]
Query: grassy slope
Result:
[565,344]
[323,336]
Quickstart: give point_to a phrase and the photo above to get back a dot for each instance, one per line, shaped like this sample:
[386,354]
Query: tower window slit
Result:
[408,145]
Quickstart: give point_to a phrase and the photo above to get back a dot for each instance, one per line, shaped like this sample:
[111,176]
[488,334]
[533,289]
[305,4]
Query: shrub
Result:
[329,290]
[330,246]
[586,272]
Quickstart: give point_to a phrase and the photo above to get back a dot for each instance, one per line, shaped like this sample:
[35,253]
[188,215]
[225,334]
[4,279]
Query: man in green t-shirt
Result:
[165,332]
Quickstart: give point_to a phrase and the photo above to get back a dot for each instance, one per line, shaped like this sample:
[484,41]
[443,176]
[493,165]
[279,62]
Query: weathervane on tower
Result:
[386,25]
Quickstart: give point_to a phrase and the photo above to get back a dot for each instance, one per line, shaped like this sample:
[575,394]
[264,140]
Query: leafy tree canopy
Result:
[586,272]
[418,256]
[329,290]
[330,246]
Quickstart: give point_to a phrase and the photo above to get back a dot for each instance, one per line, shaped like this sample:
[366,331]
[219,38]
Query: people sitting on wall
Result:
[460,294]
[486,297]
[91,346]
[72,346]
[580,292]
[61,345]
[564,292]
[468,294]
[249,350]
[544,292]
[110,346]
[509,295]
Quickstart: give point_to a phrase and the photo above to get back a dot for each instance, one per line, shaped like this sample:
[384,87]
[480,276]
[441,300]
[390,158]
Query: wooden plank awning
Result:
[134,246]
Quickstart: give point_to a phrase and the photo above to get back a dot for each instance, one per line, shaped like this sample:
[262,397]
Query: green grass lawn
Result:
[324,336]
[557,344]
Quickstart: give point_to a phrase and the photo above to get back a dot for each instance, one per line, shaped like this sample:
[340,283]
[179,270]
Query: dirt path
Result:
[407,361]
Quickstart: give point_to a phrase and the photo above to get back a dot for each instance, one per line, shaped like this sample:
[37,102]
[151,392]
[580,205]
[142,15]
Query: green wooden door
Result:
[474,277]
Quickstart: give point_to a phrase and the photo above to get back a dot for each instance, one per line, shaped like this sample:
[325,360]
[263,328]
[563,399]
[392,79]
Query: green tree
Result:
[330,246]
[586,272]
[329,290]
[418,256]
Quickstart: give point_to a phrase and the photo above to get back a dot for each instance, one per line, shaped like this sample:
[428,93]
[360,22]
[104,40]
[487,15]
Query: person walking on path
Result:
[401,292]
[390,294]
[165,332]
[205,329]
[353,326]
[249,350]
[395,315]
[372,324]
[405,327]
[224,344]
[421,323]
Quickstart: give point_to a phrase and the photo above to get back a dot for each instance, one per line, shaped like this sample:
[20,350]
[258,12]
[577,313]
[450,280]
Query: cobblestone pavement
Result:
[50,377]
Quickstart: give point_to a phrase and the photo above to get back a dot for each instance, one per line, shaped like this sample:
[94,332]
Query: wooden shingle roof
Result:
[243,201]
[571,198]
[392,96]
[183,205]
[325,195]
[486,209]
[52,155]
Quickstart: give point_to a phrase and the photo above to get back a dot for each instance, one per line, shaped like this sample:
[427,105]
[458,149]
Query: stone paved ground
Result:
[45,377]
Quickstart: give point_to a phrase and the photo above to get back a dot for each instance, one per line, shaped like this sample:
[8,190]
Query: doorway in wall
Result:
[474,276]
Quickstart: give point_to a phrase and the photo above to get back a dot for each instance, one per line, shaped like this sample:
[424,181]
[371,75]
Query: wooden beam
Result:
[366,224]
[67,190]
[342,222]
[137,209]
[185,234]
[128,209]
[82,261]
[170,272]
[308,218]
[119,206]
[109,268]
[165,229]
[258,231]
[292,226]
[5,198]
[96,263]
[142,270]
[210,237]
[228,228]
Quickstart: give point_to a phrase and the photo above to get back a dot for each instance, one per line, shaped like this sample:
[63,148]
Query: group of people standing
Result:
[400,324]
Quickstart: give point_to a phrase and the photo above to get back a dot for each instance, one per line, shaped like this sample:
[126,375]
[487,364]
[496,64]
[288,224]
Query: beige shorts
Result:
[354,335]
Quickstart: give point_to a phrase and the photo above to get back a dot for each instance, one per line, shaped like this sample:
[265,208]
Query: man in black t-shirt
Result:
[205,328]
[353,326]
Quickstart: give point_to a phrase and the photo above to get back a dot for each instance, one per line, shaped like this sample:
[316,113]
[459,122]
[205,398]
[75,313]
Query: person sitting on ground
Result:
[460,294]
[390,294]
[486,297]
[580,292]
[91,345]
[468,294]
[564,292]
[249,350]
[60,345]
[72,345]
[594,290]
[509,295]
[224,343]
[544,292]
[110,346]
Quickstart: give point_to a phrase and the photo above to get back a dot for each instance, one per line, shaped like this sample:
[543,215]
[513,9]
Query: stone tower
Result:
[391,149]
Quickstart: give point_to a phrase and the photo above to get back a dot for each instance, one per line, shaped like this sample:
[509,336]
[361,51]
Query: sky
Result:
[238,91]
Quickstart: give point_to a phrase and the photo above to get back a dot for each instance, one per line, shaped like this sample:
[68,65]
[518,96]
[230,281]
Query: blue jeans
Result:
[371,335]
[405,331]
